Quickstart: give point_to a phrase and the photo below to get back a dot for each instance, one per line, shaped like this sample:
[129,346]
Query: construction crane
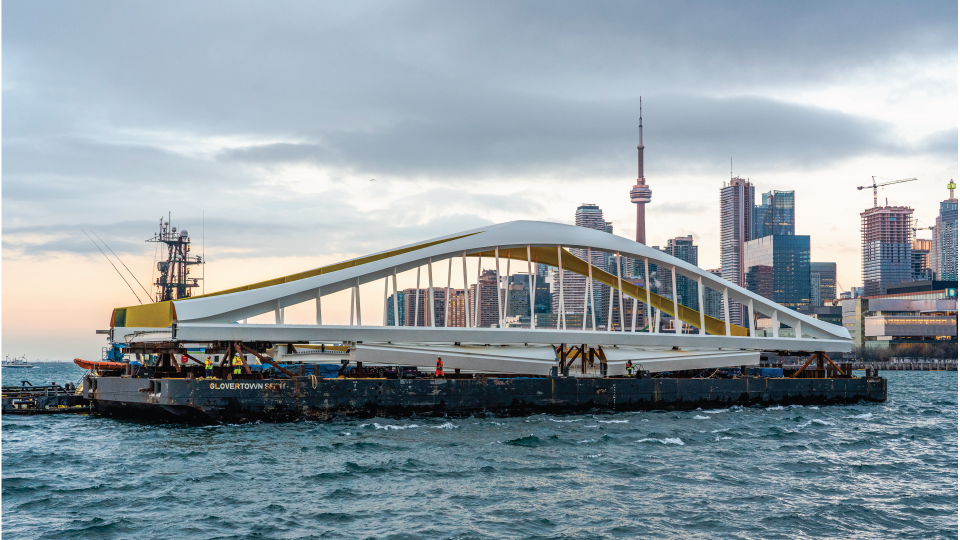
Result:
[875,185]
[915,229]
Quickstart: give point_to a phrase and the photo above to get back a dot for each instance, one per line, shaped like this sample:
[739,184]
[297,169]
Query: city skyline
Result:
[383,133]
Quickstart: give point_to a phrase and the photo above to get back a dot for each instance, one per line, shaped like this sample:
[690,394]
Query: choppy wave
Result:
[867,470]
[666,440]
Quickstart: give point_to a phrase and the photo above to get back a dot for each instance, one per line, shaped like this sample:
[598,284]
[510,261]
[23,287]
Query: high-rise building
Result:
[488,300]
[457,317]
[823,283]
[712,299]
[775,214]
[408,307]
[589,216]
[763,216]
[401,307]
[736,226]
[778,268]
[518,295]
[784,213]
[641,193]
[944,252]
[920,260]
[541,296]
[886,234]
[682,247]
[415,311]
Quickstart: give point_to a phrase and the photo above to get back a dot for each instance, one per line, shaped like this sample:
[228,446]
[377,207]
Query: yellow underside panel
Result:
[158,315]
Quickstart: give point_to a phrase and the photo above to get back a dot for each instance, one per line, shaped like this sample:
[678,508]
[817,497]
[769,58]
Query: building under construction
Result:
[886,234]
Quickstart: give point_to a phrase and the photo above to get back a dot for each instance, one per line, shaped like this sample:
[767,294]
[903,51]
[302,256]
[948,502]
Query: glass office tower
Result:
[778,267]
[823,282]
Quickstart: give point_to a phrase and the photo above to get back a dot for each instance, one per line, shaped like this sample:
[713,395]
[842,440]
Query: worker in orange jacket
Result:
[439,367]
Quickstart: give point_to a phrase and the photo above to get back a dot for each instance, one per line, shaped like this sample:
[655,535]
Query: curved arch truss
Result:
[524,243]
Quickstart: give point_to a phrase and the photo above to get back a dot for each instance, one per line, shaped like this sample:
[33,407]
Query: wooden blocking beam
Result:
[266,359]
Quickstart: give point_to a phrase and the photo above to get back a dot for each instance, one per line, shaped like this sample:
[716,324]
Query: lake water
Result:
[863,471]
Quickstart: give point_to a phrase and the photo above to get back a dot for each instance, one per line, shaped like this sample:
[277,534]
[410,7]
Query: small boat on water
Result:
[16,362]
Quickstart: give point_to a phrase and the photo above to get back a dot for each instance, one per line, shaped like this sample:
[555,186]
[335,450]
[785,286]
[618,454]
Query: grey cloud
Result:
[583,139]
[271,68]
[943,143]
[447,94]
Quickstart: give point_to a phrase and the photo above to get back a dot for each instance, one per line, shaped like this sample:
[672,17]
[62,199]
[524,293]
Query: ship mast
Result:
[174,281]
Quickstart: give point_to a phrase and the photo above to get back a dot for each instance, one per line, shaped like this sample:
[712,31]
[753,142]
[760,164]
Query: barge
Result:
[280,399]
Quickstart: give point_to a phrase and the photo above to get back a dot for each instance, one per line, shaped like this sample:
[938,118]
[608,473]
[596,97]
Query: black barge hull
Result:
[283,400]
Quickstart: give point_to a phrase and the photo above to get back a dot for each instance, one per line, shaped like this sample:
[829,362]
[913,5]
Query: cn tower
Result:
[640,194]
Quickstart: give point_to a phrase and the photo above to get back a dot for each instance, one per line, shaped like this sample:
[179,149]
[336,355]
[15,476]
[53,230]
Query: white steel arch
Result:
[517,240]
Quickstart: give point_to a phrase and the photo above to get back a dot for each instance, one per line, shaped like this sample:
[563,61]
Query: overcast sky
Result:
[271,119]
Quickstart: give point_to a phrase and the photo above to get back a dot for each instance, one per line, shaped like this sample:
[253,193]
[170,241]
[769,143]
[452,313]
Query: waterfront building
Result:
[549,320]
[823,283]
[944,248]
[909,317]
[830,313]
[886,240]
[736,227]
[778,268]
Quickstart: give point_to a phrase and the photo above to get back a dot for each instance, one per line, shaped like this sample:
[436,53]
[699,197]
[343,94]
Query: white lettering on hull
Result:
[246,386]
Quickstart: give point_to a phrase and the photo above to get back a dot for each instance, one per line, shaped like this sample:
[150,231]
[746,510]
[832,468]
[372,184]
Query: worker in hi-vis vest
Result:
[208,364]
[237,364]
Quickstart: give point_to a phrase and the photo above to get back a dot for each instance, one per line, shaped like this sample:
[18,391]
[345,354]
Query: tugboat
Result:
[16,362]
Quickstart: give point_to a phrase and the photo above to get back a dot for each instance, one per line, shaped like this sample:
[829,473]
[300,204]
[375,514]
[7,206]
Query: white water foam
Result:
[823,422]
[394,426]
[614,421]
[563,421]
[668,440]
[864,416]
[447,425]
[588,441]
[698,417]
